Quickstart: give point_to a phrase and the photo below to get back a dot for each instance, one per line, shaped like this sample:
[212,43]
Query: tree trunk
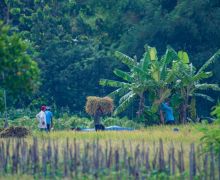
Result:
[161,117]
[141,105]
[183,112]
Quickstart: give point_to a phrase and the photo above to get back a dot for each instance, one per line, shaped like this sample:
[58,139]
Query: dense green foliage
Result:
[19,74]
[153,80]
[211,137]
[74,40]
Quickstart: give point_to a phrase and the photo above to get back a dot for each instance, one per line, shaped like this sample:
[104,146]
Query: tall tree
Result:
[19,74]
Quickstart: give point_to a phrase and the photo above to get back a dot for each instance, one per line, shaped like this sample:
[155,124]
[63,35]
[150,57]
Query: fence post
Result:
[147,163]
[161,156]
[212,164]
[44,161]
[192,162]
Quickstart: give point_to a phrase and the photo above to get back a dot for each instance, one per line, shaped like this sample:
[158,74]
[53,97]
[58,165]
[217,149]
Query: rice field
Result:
[153,153]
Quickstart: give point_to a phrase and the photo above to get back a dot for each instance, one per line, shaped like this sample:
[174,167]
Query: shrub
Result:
[211,136]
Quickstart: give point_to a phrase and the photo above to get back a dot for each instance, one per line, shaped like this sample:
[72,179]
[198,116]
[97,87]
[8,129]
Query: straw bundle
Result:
[93,103]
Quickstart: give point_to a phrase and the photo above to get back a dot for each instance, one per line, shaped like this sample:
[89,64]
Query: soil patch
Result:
[14,132]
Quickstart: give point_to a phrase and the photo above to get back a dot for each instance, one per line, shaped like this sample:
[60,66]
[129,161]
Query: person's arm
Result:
[164,106]
[51,120]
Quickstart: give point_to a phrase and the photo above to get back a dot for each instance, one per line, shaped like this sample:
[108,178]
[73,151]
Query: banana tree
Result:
[188,84]
[148,76]
[135,82]
[163,76]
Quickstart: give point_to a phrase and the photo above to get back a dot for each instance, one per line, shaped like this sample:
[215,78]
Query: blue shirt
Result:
[168,112]
[49,116]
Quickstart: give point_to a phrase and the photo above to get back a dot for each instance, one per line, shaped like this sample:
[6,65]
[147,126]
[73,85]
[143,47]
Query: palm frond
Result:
[140,72]
[215,57]
[124,75]
[146,61]
[201,75]
[184,57]
[204,96]
[125,104]
[113,83]
[206,86]
[126,96]
[125,59]
[169,56]
[118,92]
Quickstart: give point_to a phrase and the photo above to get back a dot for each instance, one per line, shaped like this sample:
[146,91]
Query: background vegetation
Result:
[73,42]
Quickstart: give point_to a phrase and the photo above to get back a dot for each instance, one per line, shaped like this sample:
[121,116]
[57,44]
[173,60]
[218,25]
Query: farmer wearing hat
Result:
[41,117]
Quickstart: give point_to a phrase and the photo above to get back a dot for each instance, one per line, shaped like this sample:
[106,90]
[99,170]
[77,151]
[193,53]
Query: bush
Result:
[211,136]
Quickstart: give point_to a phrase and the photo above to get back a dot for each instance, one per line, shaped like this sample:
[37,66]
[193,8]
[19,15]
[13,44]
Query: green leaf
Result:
[146,61]
[123,75]
[126,96]
[118,92]
[204,96]
[183,56]
[215,57]
[201,75]
[125,104]
[206,86]
[153,53]
[112,83]
[125,59]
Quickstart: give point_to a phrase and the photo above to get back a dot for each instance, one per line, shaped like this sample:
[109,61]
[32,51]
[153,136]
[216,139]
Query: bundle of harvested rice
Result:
[93,103]
[14,132]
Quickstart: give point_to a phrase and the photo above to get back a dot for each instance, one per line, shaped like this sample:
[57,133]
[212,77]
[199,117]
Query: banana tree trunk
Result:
[184,111]
[162,117]
[141,105]
[184,105]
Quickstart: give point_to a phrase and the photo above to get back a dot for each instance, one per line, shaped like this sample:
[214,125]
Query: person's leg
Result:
[168,122]
[99,127]
[102,127]
[48,127]
[96,127]
[171,122]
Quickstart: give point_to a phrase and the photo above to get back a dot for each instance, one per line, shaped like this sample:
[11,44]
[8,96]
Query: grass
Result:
[186,134]
[149,137]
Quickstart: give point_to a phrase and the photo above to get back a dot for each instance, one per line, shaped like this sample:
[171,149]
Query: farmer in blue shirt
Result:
[49,117]
[168,112]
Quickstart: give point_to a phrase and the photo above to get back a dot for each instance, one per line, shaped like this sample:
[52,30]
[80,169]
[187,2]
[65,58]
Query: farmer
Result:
[49,118]
[165,107]
[97,116]
[41,117]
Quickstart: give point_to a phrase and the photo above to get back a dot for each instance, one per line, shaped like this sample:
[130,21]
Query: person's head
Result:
[48,108]
[167,101]
[43,108]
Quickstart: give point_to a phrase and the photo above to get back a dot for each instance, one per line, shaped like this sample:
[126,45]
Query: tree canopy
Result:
[19,74]
[74,40]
